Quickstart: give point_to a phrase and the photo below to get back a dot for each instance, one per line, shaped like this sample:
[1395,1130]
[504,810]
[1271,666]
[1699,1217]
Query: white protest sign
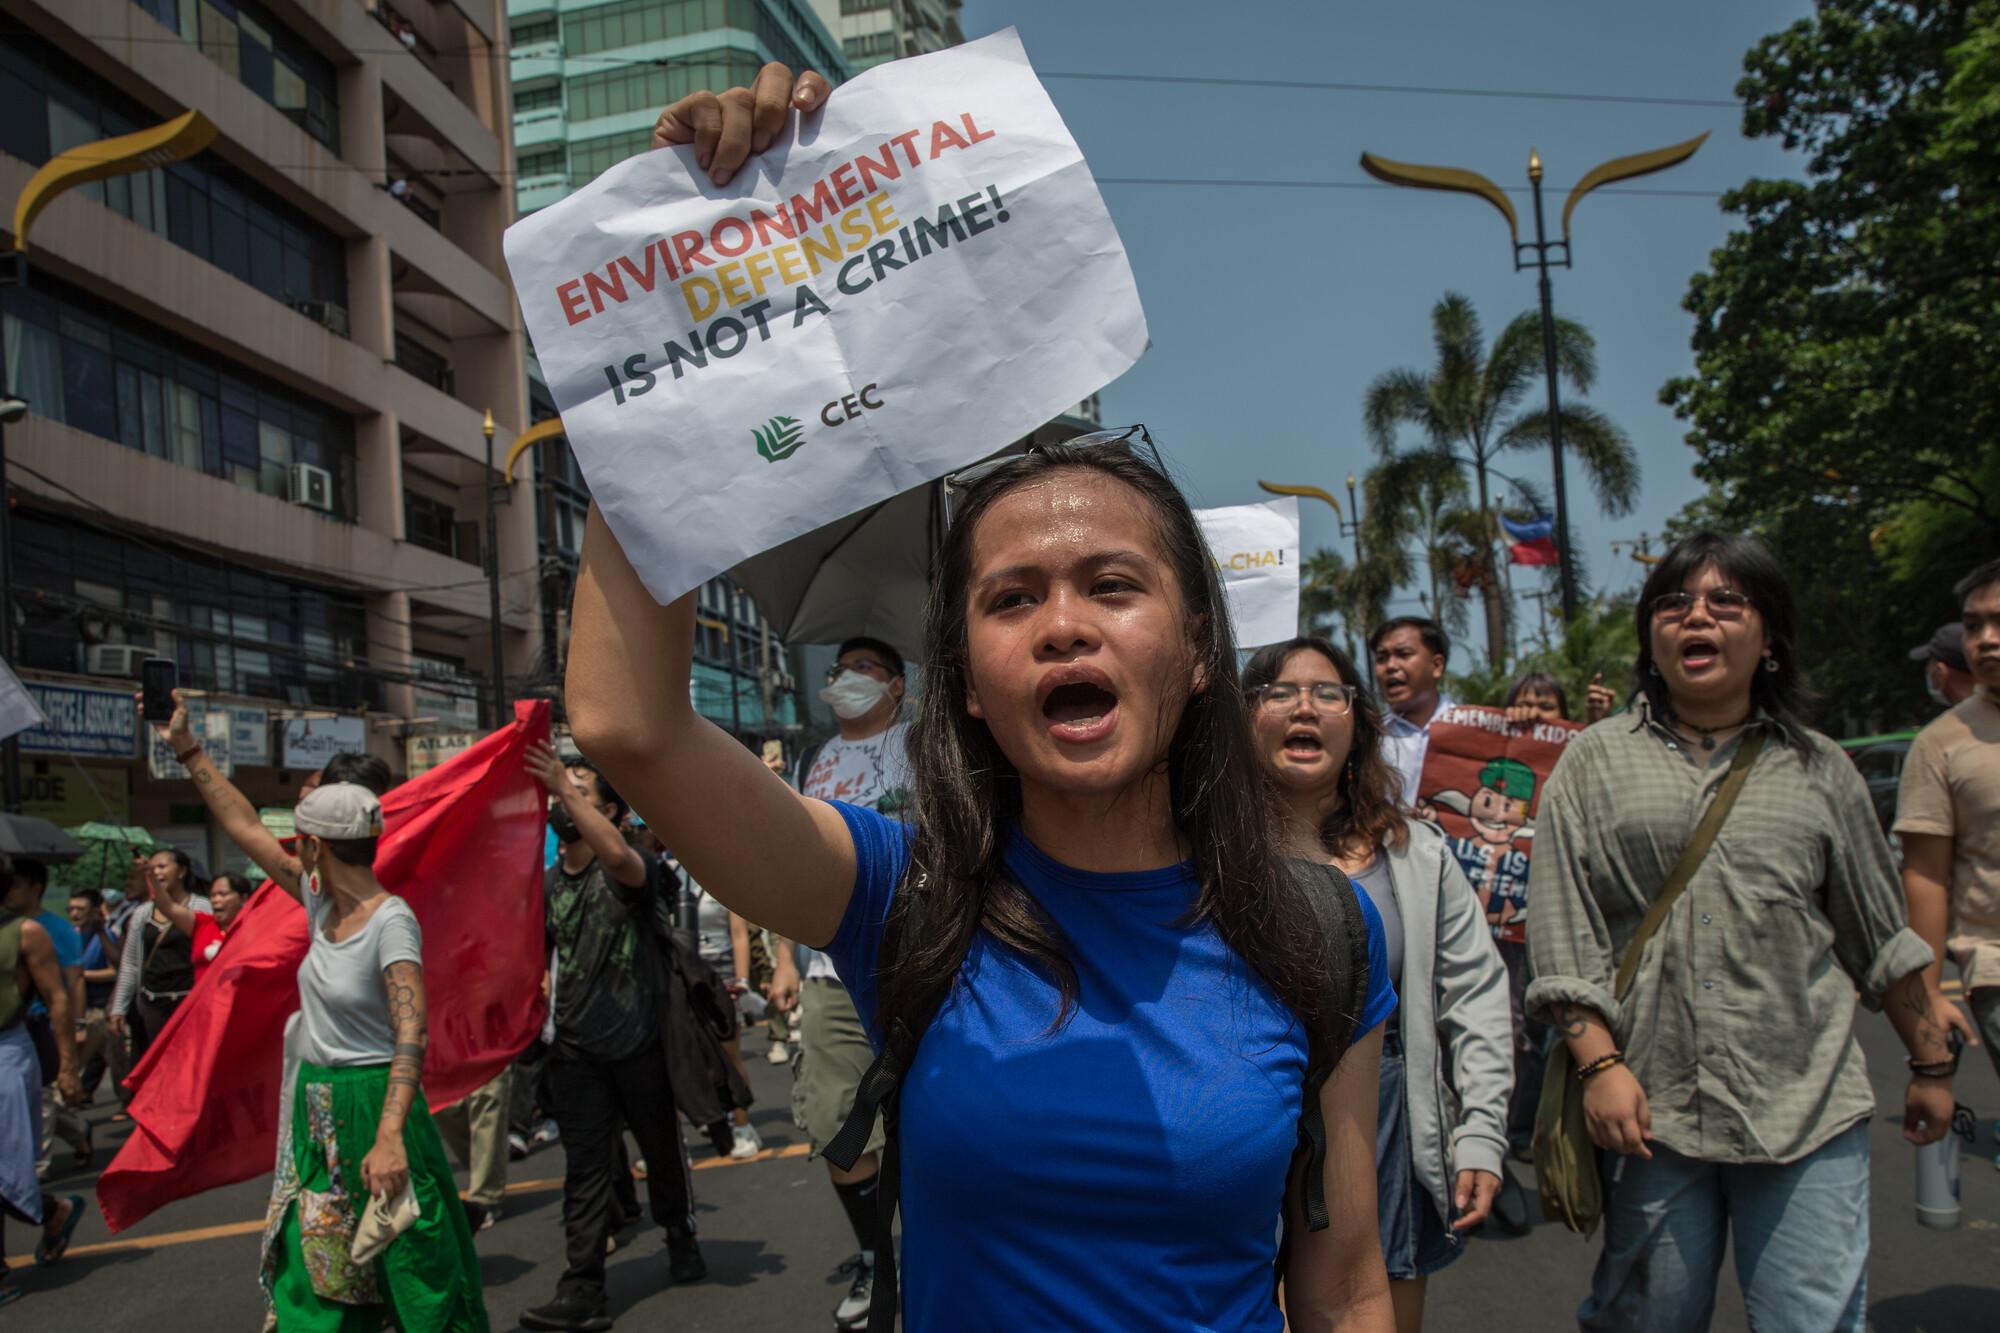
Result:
[1256,550]
[911,278]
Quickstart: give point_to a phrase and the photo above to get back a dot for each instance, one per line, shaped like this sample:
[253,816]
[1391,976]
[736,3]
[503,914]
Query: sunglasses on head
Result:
[1134,440]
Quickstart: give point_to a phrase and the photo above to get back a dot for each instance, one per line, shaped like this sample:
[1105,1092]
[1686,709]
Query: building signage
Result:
[249,736]
[83,721]
[210,724]
[310,742]
[68,795]
[425,753]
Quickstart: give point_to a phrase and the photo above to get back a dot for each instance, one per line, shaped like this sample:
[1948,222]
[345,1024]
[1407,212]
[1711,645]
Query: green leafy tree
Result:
[1845,403]
[1465,411]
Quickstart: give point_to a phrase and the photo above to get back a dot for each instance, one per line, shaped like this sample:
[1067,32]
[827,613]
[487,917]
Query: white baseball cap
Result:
[342,810]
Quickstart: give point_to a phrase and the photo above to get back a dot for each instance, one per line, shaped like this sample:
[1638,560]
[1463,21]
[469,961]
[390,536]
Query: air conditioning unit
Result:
[332,314]
[311,486]
[115,659]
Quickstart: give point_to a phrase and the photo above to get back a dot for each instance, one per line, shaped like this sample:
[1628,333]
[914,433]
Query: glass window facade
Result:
[231,629]
[650,87]
[591,158]
[873,44]
[633,22]
[49,104]
[529,34]
[90,365]
[534,99]
[542,162]
[428,523]
[263,55]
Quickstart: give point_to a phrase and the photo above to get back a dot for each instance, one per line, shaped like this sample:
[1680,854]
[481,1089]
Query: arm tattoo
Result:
[1571,1021]
[403,989]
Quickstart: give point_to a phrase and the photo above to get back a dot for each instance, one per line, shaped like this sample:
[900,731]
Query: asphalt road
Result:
[773,1234]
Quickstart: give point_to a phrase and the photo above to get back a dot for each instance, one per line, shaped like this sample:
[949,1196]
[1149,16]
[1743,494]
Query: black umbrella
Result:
[25,835]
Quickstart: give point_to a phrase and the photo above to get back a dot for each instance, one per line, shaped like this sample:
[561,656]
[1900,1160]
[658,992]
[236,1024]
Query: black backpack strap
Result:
[1340,913]
[879,1093]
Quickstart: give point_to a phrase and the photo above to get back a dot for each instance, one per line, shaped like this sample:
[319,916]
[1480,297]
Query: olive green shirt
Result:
[1740,1020]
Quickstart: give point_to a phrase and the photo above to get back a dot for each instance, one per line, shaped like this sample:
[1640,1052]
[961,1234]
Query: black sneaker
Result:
[481,1217]
[684,1261]
[852,1313]
[569,1312]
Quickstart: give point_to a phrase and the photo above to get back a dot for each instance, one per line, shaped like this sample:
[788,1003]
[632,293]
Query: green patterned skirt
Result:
[427,1281]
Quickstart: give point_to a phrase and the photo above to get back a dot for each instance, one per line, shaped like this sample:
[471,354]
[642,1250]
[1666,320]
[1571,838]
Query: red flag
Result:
[1540,551]
[462,844]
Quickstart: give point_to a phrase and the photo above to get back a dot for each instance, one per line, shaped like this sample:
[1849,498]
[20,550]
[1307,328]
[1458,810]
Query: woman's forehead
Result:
[1309,664]
[1061,518]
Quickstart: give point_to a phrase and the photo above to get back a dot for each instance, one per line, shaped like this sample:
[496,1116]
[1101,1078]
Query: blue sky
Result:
[1271,310]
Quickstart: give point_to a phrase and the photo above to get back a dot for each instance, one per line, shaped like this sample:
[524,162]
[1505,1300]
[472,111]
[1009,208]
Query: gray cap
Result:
[1947,646]
[345,810]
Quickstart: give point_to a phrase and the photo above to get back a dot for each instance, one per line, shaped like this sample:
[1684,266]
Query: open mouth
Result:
[1699,654]
[1303,744]
[1081,706]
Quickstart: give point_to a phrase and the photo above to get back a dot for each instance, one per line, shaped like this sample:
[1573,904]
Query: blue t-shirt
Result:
[1125,1172]
[67,944]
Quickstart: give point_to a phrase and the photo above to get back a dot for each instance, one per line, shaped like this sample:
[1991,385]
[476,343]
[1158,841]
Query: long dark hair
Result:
[966,795]
[1370,812]
[1748,567]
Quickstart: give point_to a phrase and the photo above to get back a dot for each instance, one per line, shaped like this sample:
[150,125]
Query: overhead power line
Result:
[1086,76]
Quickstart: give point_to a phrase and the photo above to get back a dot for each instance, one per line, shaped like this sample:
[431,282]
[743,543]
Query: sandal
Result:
[50,1249]
[10,1292]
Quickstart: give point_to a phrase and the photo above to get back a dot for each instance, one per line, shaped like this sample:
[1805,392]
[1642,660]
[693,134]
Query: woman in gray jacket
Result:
[1447,1067]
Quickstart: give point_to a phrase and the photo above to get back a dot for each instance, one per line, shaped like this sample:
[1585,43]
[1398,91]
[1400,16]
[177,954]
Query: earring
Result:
[1770,663]
[1652,668]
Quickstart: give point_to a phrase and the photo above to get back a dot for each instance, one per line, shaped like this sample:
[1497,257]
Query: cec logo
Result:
[781,437]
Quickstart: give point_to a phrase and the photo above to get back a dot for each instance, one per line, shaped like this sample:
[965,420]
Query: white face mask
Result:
[854,694]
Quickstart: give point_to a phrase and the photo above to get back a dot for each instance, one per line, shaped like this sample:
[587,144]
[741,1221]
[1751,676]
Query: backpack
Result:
[880,1088]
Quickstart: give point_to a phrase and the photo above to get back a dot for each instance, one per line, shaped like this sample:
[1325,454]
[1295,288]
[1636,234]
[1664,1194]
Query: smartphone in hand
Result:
[157,678]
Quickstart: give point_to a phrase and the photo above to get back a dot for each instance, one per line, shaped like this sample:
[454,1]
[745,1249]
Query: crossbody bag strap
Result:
[1691,858]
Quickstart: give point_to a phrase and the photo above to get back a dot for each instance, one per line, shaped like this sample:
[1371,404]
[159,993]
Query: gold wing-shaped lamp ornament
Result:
[552,429]
[175,141]
[1625,168]
[1444,178]
[1304,492]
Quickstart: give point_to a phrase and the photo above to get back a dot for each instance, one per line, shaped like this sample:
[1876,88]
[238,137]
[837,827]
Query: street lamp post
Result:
[1460,181]
[499,667]
[1349,521]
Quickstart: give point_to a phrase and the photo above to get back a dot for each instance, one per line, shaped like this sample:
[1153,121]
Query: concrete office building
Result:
[872,31]
[256,382]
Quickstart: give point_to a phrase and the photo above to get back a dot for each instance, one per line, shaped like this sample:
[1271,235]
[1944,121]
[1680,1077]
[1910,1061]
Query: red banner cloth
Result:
[1541,551]
[462,844]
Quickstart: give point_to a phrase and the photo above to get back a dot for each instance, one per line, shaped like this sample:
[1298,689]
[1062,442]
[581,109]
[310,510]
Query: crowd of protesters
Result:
[1143,987]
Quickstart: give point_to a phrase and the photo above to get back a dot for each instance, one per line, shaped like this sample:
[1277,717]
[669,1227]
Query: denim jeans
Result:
[1801,1233]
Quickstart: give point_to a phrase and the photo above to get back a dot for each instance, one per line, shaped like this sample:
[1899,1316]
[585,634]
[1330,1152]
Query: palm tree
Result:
[1355,595]
[1464,407]
[1419,498]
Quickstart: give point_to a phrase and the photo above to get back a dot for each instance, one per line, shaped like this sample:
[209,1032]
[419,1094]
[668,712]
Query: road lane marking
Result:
[229,1230]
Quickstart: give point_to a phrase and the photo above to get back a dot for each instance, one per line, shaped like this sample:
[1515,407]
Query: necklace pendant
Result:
[1707,742]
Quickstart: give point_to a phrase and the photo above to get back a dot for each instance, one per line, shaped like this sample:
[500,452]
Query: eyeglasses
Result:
[866,664]
[1134,440]
[1723,604]
[1281,695]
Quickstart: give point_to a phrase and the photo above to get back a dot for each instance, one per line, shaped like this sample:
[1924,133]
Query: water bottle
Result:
[1937,1183]
[1937,1167]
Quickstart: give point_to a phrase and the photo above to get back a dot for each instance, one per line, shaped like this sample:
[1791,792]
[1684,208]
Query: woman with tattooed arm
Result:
[359,1125]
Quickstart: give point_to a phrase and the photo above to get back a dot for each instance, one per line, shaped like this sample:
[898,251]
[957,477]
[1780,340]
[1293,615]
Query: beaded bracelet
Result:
[1599,1065]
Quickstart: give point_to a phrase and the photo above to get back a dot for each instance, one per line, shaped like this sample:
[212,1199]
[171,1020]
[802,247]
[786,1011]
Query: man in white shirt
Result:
[1409,654]
[865,765]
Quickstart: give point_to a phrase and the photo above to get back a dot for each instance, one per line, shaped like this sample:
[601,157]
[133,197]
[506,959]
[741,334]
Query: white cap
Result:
[343,810]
